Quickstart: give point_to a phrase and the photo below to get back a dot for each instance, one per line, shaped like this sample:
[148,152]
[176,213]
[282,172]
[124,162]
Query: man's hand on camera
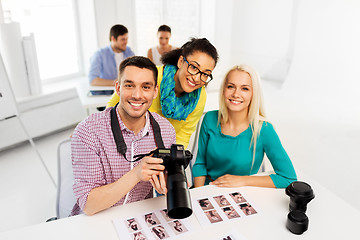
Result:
[148,167]
[159,182]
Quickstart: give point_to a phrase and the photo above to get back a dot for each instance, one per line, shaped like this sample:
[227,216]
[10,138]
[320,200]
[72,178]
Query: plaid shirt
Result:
[96,161]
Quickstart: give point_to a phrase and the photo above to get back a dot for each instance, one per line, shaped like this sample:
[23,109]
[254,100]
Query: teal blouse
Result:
[220,154]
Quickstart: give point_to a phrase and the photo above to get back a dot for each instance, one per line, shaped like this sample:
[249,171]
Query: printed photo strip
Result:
[230,212]
[178,227]
[213,216]
[151,219]
[221,201]
[247,209]
[139,236]
[133,225]
[237,197]
[159,232]
[134,228]
[205,204]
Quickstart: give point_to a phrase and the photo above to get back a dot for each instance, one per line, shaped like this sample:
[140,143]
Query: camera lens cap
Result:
[300,189]
[297,222]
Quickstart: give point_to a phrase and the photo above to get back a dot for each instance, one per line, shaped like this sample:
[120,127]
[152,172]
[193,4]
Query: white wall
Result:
[257,32]
[321,93]
[111,12]
[261,34]
[316,110]
[222,40]
[87,29]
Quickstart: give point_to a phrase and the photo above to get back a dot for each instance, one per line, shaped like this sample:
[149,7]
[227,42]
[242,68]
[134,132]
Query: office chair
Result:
[65,199]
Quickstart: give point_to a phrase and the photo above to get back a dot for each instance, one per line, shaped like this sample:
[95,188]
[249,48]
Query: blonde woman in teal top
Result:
[233,140]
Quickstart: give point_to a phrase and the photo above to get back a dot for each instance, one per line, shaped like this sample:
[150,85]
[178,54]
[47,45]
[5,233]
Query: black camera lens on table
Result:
[300,194]
[176,159]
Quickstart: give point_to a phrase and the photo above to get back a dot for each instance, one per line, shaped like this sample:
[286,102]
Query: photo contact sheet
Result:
[215,209]
[221,208]
[153,225]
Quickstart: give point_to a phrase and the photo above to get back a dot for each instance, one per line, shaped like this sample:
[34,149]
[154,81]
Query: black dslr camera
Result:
[176,159]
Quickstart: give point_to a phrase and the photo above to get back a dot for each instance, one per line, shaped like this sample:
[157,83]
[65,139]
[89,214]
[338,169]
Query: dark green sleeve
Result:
[280,161]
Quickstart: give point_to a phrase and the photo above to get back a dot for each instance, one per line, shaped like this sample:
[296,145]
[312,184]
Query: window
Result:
[54,24]
[182,16]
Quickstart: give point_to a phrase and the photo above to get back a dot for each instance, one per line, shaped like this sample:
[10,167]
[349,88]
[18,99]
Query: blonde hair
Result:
[256,113]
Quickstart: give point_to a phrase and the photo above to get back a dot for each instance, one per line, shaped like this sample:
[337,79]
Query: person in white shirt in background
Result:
[155,53]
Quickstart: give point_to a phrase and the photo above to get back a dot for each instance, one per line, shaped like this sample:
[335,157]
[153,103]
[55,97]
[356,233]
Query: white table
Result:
[330,218]
[90,101]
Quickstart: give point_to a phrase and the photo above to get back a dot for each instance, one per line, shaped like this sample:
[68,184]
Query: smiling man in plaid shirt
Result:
[104,177]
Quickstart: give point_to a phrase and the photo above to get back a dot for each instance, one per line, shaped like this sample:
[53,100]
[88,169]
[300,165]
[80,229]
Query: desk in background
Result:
[91,102]
[330,218]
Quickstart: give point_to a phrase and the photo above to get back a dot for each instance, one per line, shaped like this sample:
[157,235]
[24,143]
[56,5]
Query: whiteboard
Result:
[8,106]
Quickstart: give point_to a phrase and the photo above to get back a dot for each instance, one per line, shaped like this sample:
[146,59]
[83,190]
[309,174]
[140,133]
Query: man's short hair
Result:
[117,30]
[140,62]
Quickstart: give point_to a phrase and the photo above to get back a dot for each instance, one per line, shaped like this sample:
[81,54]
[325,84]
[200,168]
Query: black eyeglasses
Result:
[193,70]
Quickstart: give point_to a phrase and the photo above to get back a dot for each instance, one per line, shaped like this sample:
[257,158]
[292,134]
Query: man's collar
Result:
[146,128]
[143,131]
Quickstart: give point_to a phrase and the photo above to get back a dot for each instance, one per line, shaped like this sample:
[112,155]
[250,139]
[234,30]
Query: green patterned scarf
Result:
[173,107]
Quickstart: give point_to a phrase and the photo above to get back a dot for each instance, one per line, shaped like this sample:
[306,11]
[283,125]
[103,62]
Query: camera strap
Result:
[119,139]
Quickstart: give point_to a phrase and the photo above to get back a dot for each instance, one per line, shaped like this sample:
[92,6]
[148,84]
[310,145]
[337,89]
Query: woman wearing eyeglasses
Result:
[181,97]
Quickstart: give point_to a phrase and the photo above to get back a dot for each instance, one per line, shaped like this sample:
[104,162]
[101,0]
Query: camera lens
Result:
[297,222]
[178,196]
[300,194]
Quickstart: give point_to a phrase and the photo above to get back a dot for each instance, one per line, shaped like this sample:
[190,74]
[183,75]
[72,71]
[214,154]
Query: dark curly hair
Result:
[194,45]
